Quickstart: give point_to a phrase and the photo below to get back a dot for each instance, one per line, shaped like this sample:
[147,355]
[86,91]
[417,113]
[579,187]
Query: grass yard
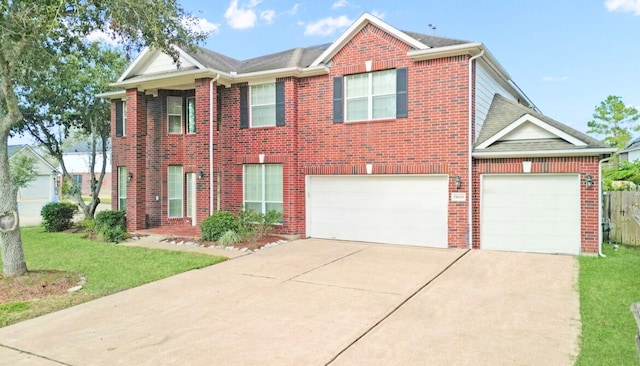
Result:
[608,287]
[108,268]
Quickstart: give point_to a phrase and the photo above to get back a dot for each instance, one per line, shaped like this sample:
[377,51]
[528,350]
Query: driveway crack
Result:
[396,308]
[35,355]
[326,264]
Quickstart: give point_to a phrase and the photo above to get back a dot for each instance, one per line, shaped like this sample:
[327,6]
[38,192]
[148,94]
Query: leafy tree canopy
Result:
[615,121]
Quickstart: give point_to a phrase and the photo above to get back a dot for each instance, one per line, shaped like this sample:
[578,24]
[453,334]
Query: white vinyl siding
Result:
[370,96]
[122,188]
[175,184]
[263,187]
[393,209]
[263,105]
[174,114]
[487,85]
[191,115]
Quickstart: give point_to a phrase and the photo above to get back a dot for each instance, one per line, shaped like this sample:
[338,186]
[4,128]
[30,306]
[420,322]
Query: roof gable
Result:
[356,27]
[154,61]
[529,127]
[512,129]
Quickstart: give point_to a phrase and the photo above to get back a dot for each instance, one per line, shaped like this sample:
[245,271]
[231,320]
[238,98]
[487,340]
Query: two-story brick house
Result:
[382,136]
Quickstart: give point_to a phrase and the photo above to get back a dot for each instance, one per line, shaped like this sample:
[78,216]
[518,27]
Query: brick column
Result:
[136,159]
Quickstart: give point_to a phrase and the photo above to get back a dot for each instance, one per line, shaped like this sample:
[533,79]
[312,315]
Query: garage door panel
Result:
[533,213]
[39,189]
[386,209]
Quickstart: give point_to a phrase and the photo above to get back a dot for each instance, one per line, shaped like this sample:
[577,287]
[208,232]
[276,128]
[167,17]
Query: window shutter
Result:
[338,108]
[244,107]
[119,118]
[401,93]
[280,103]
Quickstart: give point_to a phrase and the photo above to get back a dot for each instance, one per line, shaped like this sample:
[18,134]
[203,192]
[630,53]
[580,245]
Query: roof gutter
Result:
[541,153]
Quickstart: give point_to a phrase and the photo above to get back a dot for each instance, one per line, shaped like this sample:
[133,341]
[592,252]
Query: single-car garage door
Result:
[530,213]
[396,209]
[39,189]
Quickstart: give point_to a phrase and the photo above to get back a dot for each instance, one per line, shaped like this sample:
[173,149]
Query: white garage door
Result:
[406,209]
[530,213]
[39,189]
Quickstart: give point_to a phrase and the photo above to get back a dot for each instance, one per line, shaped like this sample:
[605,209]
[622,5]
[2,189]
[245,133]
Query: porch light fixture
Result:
[588,180]
[129,177]
[201,174]
[457,181]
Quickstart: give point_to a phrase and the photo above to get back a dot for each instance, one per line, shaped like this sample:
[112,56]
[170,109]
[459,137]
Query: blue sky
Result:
[567,56]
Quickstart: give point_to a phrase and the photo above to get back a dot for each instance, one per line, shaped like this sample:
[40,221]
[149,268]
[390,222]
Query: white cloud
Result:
[378,14]
[627,6]
[327,26]
[201,25]
[293,10]
[551,79]
[241,18]
[268,16]
[339,4]
[104,37]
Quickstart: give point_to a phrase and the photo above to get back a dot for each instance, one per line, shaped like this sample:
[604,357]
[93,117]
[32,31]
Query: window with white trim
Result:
[263,187]
[175,191]
[122,188]
[370,96]
[174,114]
[263,105]
[191,115]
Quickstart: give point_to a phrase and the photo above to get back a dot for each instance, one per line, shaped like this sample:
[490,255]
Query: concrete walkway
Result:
[319,302]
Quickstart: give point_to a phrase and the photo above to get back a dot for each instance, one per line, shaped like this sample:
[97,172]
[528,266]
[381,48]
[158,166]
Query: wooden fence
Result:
[621,217]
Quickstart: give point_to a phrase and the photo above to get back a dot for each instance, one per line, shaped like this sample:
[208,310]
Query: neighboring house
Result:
[77,160]
[43,187]
[631,152]
[383,136]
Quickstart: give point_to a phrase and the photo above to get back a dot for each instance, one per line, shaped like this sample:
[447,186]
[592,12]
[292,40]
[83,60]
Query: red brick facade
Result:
[433,139]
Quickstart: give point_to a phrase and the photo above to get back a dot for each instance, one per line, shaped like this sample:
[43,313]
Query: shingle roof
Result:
[504,112]
[295,57]
[633,145]
[85,147]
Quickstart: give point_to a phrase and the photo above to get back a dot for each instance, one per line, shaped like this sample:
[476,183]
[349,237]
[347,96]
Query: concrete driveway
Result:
[319,302]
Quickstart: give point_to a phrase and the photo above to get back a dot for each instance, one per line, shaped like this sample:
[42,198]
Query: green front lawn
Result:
[608,287]
[108,268]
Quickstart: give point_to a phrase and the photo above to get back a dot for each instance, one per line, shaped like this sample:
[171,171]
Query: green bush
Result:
[254,225]
[214,226]
[58,216]
[111,226]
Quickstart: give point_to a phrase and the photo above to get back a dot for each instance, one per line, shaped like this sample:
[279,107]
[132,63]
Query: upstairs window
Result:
[121,118]
[174,114]
[191,115]
[370,96]
[262,105]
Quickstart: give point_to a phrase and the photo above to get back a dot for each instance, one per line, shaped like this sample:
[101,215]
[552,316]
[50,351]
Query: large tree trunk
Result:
[13,263]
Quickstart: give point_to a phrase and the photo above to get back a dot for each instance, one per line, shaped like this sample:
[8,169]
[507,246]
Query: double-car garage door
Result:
[518,212]
[398,209]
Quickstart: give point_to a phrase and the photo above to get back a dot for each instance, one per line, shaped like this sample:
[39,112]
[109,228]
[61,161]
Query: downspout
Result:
[211,143]
[600,205]
[470,162]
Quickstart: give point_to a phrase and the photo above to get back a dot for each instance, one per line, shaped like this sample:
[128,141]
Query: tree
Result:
[615,121]
[36,33]
[61,105]
[22,171]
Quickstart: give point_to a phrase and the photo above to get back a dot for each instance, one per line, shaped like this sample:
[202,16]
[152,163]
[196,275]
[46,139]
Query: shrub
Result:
[111,226]
[214,226]
[230,237]
[58,216]
[254,226]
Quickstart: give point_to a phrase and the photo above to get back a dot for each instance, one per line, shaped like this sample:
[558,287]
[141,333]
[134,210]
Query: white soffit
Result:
[356,27]
[530,119]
